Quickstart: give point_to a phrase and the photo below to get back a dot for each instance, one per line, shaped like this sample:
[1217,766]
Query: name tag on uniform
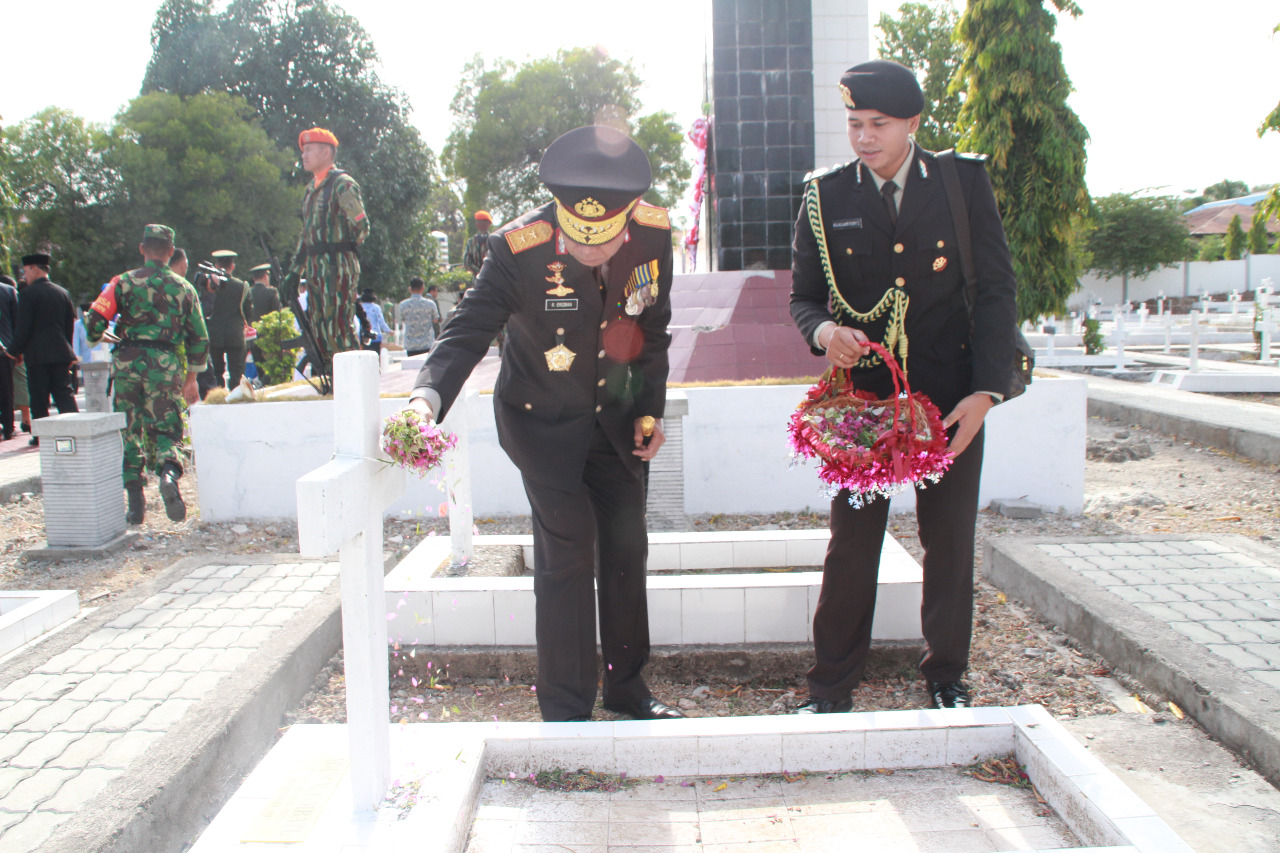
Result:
[847,223]
[562,305]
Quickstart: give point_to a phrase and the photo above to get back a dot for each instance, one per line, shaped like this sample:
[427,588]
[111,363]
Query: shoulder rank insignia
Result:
[654,217]
[824,171]
[529,236]
[965,155]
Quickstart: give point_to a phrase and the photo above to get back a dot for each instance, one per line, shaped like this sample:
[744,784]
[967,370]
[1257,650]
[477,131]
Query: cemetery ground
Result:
[1137,482]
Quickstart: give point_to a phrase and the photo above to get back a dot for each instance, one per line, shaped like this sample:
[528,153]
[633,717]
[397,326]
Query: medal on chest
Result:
[642,288]
[559,357]
[556,268]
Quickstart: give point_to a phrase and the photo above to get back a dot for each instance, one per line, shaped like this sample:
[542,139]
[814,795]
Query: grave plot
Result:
[375,786]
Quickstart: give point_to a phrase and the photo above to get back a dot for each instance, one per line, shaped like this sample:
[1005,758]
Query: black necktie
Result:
[887,192]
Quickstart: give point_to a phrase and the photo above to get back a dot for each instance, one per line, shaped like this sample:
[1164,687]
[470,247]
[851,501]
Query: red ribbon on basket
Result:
[861,447]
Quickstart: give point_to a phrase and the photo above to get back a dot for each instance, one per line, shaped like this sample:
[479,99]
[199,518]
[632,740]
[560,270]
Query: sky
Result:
[1143,71]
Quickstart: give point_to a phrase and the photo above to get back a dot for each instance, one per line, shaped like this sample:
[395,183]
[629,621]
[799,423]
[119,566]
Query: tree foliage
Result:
[298,64]
[1016,112]
[923,38]
[1134,237]
[1272,122]
[205,167]
[1234,245]
[505,117]
[60,190]
[1221,191]
[1258,240]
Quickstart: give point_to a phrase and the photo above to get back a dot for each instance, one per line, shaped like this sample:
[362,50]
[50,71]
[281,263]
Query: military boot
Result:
[173,505]
[137,510]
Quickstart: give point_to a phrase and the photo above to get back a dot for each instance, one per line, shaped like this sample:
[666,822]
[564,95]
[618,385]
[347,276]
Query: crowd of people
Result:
[579,292]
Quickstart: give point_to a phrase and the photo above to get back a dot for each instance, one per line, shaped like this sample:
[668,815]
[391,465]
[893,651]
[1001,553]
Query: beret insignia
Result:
[847,97]
[529,236]
[654,217]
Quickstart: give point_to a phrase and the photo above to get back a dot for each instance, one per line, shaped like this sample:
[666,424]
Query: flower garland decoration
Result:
[415,443]
[873,448]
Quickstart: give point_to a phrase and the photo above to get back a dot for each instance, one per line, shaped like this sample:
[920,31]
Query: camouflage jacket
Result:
[333,217]
[152,303]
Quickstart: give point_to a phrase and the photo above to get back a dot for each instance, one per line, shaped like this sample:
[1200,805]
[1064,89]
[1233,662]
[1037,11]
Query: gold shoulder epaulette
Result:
[529,236]
[654,217]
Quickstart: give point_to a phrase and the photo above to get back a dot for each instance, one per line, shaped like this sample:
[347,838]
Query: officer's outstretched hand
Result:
[647,452]
[420,405]
[969,414]
[844,345]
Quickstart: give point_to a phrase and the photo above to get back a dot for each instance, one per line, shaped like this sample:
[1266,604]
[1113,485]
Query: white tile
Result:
[670,756]
[1113,798]
[900,748]
[824,751]
[897,615]
[759,554]
[967,744]
[1070,757]
[776,614]
[1151,835]
[576,753]
[665,617]
[807,552]
[706,555]
[712,616]
[514,618]
[413,623]
[463,618]
[725,755]
[663,557]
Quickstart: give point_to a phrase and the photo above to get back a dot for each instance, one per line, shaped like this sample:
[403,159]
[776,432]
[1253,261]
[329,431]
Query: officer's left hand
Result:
[655,441]
[969,414]
[190,390]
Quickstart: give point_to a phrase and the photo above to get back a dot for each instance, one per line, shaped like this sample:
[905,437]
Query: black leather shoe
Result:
[173,504]
[26,427]
[949,694]
[137,510]
[815,705]
[33,442]
[649,709]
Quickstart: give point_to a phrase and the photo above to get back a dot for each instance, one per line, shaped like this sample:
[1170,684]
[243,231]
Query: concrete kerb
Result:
[22,485]
[1230,707]
[168,795]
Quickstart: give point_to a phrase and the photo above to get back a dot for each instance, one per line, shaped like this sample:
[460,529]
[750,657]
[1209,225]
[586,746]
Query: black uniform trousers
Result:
[6,396]
[593,536]
[946,512]
[50,379]
[232,360]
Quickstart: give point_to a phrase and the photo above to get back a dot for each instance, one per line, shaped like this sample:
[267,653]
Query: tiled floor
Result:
[920,811]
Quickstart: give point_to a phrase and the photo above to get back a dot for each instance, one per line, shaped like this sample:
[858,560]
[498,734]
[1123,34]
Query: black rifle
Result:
[310,343]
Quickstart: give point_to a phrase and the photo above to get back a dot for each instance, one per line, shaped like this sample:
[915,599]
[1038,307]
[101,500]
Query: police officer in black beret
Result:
[875,258]
[583,286]
[42,338]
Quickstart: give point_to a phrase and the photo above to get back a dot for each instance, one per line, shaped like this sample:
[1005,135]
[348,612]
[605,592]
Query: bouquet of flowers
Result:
[871,447]
[415,443]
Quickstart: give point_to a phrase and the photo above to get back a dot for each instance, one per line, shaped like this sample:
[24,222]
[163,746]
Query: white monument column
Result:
[457,480]
[340,508]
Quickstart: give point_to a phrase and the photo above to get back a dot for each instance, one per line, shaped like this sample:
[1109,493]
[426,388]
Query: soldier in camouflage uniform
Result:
[162,340]
[333,227]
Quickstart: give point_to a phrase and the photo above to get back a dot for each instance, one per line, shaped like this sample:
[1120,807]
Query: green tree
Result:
[1234,245]
[1134,237]
[302,63]
[506,116]
[1272,122]
[204,166]
[923,38]
[1210,248]
[1016,112]
[1258,239]
[60,191]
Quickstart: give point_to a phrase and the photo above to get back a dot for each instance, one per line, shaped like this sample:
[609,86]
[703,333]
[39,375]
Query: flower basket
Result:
[415,443]
[873,448]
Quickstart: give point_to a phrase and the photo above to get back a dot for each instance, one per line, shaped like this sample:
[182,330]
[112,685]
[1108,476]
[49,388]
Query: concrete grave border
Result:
[452,760]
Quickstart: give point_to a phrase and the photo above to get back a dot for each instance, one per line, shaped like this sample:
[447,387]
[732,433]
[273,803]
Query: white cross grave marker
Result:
[1193,347]
[340,507]
[1266,327]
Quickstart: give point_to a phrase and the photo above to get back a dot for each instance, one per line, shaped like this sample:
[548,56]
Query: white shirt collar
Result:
[900,178]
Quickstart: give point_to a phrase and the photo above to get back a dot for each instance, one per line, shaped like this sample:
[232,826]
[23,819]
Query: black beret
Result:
[884,86]
[39,259]
[594,172]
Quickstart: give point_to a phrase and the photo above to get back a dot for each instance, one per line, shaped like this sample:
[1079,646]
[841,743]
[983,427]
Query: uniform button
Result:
[528,406]
[598,408]
[898,247]
[941,243]
[559,331]
[601,383]
[601,354]
[848,251]
[605,323]
[900,281]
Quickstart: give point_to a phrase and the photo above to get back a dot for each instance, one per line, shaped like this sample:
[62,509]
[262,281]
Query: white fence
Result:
[1190,278]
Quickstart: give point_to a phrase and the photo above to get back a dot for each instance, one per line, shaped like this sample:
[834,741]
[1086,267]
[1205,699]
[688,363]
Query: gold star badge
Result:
[559,358]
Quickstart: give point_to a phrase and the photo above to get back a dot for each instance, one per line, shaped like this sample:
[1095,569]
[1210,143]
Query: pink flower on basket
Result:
[414,443]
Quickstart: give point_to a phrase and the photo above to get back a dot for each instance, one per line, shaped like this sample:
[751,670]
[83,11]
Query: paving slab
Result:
[127,730]
[1177,646]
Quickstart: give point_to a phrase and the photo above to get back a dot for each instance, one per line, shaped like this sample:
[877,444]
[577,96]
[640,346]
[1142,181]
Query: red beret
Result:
[317,134]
